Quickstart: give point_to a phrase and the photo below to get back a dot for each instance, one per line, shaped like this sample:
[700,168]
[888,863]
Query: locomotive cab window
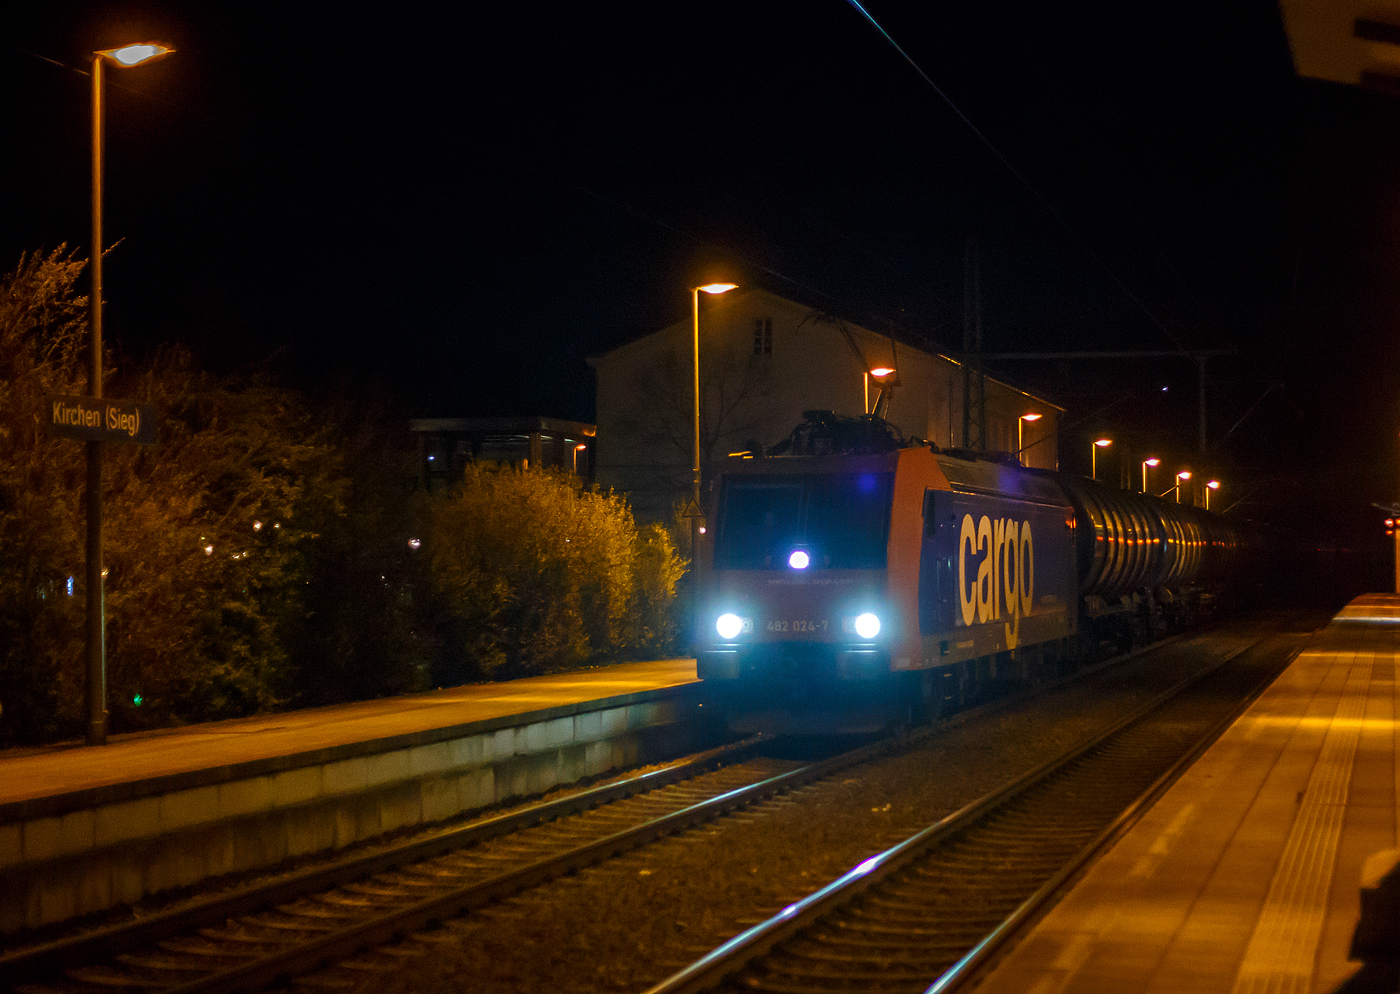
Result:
[841,520]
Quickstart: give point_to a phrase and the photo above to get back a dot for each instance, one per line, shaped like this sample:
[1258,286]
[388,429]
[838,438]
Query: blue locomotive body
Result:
[866,571]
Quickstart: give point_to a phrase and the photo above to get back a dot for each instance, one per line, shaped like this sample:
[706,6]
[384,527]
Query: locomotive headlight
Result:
[729,626]
[867,625]
[799,560]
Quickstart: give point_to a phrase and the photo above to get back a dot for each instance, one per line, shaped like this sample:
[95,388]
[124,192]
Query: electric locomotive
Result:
[850,577]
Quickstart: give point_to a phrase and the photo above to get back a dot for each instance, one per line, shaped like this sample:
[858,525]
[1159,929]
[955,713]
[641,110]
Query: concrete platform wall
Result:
[70,855]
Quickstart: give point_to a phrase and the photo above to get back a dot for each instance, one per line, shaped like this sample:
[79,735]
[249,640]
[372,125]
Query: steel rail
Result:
[729,958]
[88,947]
[332,947]
[962,972]
[95,946]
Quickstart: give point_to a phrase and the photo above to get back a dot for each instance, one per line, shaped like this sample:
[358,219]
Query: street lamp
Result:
[1102,443]
[95,622]
[694,512]
[1150,461]
[577,449]
[1020,432]
[1212,485]
[1185,474]
[879,372]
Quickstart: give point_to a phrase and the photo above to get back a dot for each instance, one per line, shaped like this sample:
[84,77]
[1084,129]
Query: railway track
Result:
[924,915]
[264,935]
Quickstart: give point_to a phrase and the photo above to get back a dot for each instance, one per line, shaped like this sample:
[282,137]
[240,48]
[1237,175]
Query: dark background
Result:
[452,212]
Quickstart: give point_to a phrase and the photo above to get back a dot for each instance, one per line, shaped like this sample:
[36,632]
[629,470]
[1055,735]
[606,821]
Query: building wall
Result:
[755,388]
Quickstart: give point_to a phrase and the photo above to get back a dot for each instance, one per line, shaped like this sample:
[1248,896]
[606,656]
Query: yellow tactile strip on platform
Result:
[1283,948]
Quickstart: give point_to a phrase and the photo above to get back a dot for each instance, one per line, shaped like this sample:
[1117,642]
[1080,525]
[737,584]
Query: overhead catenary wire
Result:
[1021,178]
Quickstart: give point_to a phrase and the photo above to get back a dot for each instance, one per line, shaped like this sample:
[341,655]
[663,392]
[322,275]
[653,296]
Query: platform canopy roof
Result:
[1346,41]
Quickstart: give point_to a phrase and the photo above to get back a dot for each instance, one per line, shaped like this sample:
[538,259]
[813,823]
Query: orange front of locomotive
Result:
[808,579]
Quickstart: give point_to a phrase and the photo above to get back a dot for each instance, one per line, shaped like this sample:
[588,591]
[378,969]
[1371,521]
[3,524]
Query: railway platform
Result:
[85,829]
[32,774]
[1245,875]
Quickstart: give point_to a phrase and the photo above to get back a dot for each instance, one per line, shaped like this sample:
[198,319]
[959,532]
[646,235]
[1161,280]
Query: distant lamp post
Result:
[1185,474]
[1102,443]
[879,373]
[95,621]
[1150,461]
[1212,485]
[694,512]
[577,449]
[1021,431]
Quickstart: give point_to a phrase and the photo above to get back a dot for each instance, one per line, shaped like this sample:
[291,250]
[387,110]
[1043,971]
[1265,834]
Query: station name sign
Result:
[101,420]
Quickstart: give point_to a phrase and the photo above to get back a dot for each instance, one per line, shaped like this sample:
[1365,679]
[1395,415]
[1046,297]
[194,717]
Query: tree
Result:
[207,537]
[363,630]
[209,545]
[736,394]
[42,321]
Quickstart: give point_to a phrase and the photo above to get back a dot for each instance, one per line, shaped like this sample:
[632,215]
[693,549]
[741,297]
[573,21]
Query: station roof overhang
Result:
[504,425]
[1346,41]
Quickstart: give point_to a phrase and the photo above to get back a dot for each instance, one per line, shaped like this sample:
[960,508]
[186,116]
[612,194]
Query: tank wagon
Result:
[852,577]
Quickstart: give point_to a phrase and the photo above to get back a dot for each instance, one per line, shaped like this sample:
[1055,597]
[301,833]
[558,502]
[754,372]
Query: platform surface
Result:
[60,770]
[1244,876]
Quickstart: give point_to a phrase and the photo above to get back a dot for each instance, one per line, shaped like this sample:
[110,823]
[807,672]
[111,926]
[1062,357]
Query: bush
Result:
[535,574]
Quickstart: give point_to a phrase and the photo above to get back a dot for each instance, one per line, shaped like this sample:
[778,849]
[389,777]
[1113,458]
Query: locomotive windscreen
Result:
[841,520]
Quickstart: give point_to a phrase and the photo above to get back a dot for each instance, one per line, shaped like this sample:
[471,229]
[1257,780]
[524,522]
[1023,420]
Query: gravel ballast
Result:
[629,923]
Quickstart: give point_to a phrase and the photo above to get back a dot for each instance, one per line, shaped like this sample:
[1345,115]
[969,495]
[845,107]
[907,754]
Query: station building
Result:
[764,360]
[446,445]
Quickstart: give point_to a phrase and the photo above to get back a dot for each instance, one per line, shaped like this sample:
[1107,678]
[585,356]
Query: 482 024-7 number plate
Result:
[797,626]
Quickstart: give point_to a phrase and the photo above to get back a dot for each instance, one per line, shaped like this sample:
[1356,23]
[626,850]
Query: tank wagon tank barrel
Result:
[1129,541]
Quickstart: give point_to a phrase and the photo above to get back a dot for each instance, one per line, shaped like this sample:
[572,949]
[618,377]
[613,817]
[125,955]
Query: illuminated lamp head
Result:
[799,559]
[134,55]
[867,625]
[729,626]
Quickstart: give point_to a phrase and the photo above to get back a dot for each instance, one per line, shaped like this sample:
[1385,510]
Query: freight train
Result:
[850,578]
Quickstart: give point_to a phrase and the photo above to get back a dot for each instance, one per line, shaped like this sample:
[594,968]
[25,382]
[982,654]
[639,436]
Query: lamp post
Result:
[1021,434]
[1212,485]
[1150,461]
[1102,443]
[577,449]
[710,288]
[95,619]
[879,372]
[1185,474]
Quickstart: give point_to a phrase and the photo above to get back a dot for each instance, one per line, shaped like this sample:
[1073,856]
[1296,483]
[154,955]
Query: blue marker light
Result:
[799,560]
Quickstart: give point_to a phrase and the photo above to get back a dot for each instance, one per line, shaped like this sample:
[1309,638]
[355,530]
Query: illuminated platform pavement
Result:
[83,829]
[1245,875]
[28,775]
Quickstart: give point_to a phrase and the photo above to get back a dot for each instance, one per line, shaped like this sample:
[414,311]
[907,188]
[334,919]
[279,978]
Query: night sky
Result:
[452,213]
